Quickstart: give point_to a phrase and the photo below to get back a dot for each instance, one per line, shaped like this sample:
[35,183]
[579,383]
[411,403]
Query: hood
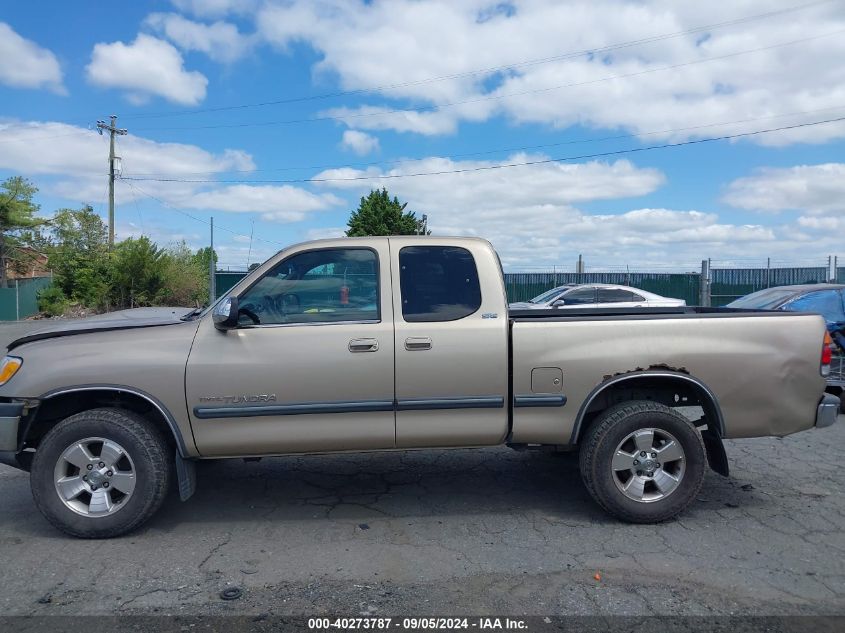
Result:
[120,320]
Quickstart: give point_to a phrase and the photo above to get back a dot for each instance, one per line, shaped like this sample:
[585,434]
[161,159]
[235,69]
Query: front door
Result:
[310,367]
[451,344]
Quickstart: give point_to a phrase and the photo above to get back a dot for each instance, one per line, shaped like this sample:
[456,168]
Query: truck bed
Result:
[763,371]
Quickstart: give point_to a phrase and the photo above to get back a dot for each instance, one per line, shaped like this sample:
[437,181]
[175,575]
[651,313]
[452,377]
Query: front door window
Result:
[319,286]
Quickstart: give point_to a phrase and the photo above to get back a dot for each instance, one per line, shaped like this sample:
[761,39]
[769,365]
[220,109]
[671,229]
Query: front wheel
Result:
[100,473]
[643,462]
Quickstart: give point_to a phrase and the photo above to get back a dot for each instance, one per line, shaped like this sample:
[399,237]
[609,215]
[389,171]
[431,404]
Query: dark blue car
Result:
[825,299]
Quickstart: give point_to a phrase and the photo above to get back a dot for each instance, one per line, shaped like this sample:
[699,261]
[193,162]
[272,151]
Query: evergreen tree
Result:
[377,214]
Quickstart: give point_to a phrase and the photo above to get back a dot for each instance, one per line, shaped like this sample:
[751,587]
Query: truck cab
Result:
[355,344]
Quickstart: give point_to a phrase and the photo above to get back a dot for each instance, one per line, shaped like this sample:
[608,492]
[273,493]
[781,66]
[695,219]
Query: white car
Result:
[597,296]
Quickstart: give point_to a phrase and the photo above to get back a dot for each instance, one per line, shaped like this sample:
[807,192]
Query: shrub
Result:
[52,301]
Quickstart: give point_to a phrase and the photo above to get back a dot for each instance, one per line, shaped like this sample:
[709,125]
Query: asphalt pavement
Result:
[448,532]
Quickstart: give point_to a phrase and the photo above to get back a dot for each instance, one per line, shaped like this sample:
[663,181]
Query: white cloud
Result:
[75,160]
[392,48]
[813,189]
[532,214]
[539,184]
[816,223]
[148,66]
[34,147]
[221,41]
[359,142]
[323,233]
[283,203]
[380,118]
[27,65]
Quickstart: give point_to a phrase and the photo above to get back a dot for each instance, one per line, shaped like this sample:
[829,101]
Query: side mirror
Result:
[225,314]
[558,303]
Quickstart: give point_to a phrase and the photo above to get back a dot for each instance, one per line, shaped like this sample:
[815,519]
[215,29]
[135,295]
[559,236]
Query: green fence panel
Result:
[727,284]
[224,281]
[21,302]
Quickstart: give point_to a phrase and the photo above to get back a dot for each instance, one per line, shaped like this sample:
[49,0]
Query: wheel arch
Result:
[59,403]
[650,385]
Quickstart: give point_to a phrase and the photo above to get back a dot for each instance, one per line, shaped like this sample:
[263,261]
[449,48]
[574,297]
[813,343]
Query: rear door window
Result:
[438,283]
[614,295]
[580,296]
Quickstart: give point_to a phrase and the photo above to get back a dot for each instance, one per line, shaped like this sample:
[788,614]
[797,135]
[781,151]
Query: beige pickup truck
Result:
[396,343]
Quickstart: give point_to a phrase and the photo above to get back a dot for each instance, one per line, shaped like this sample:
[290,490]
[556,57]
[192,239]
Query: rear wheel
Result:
[643,462]
[100,473]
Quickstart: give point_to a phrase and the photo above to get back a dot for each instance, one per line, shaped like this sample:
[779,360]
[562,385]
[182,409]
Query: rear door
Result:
[451,328]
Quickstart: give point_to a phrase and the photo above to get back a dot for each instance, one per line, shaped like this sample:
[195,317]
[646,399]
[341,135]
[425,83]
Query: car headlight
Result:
[10,366]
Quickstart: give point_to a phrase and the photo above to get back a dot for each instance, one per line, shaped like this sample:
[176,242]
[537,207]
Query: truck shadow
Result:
[364,486]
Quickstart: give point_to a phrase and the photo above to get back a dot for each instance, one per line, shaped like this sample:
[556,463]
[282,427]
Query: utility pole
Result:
[112,129]
[212,281]
[704,297]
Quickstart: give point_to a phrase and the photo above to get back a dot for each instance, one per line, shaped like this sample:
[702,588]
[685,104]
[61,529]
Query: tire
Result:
[661,490]
[122,457]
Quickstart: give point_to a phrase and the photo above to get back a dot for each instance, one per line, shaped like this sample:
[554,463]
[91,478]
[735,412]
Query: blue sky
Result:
[438,86]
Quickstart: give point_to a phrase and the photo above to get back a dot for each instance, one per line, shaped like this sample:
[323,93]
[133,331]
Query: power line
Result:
[27,139]
[501,166]
[193,217]
[493,69]
[495,97]
[507,149]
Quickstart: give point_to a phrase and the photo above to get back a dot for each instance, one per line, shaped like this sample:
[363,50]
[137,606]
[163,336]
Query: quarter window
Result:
[438,283]
[319,286]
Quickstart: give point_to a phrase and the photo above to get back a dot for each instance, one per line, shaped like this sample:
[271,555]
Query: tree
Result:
[77,247]
[137,273]
[202,258]
[377,214]
[185,277]
[17,214]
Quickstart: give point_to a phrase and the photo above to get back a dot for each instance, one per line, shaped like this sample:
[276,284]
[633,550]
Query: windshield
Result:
[763,299]
[546,296]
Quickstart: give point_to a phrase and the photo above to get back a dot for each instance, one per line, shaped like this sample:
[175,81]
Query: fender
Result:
[709,401]
[716,456]
[185,471]
[155,402]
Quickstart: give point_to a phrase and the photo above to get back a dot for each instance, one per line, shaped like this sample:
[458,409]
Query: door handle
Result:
[363,345]
[417,343]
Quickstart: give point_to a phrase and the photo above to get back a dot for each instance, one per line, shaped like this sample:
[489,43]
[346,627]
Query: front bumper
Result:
[12,414]
[827,411]
[10,417]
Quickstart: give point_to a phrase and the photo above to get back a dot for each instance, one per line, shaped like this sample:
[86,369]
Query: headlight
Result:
[10,366]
